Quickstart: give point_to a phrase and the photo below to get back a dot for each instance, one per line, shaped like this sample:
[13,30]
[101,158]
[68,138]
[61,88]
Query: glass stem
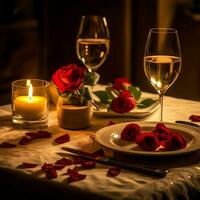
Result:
[161,107]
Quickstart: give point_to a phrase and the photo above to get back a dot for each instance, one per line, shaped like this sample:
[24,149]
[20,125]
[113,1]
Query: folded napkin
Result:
[195,118]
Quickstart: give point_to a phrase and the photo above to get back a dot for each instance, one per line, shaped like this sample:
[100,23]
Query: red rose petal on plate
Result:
[147,141]
[113,171]
[24,141]
[58,166]
[74,175]
[162,131]
[130,132]
[28,165]
[175,142]
[7,145]
[64,161]
[195,118]
[62,139]
[88,164]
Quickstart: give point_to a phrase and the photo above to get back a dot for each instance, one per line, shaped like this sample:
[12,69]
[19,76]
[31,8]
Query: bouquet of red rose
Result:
[73,83]
[122,97]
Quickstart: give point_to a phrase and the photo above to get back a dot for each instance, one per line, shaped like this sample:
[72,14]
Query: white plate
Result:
[110,137]
[135,113]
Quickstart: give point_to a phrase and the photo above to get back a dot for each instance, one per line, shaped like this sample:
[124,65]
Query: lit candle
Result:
[30,107]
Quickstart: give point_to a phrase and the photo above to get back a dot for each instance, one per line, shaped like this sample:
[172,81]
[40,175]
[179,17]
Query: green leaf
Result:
[135,92]
[145,103]
[104,96]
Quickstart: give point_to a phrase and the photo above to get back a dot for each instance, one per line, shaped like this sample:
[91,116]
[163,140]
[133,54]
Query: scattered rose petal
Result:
[74,175]
[88,164]
[27,165]
[39,134]
[62,139]
[46,166]
[32,135]
[51,173]
[147,141]
[7,145]
[24,140]
[113,171]
[58,166]
[64,161]
[130,132]
[49,170]
[195,118]
[110,123]
[43,134]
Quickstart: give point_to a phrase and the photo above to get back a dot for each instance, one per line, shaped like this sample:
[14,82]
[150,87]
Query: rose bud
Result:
[123,103]
[121,84]
[175,141]
[162,131]
[147,141]
[69,78]
[130,132]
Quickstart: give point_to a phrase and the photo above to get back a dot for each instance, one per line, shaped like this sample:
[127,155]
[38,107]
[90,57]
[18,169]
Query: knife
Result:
[187,123]
[160,173]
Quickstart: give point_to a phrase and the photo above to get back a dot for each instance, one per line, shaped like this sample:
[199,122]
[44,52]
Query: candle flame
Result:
[30,89]
[28,82]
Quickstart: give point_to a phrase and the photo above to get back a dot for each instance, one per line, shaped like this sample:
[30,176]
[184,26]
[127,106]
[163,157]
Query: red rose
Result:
[162,131]
[69,78]
[121,84]
[147,141]
[130,132]
[175,141]
[123,103]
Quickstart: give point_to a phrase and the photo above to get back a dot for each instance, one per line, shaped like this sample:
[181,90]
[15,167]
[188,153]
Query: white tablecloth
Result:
[179,182]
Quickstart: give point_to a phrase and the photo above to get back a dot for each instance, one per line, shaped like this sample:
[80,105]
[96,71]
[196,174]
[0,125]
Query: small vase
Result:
[73,116]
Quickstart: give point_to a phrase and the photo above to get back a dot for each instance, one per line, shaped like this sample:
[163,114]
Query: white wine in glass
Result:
[93,41]
[162,60]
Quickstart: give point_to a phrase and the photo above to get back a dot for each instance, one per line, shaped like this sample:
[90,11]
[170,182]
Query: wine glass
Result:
[93,41]
[162,60]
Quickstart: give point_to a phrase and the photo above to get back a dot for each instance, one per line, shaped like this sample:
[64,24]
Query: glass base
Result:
[19,122]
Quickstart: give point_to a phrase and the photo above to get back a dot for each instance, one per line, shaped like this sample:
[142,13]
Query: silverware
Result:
[187,123]
[110,161]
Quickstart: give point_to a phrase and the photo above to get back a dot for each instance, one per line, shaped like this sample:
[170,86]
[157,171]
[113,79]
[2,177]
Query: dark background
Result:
[38,36]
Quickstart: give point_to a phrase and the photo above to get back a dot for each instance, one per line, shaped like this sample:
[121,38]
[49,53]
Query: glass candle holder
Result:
[30,103]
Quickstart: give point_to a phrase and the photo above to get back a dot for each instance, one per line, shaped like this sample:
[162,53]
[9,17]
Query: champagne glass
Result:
[162,60]
[93,41]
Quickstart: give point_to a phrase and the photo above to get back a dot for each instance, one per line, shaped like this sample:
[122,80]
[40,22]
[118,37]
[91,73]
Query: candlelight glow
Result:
[28,82]
[30,89]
